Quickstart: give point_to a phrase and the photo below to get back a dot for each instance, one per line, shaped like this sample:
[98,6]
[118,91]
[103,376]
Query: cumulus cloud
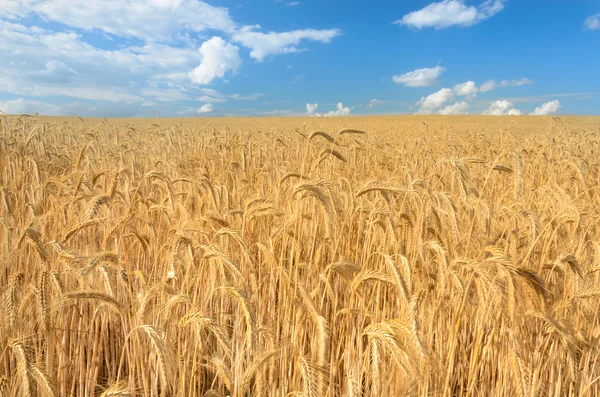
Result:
[546,108]
[466,89]
[206,108]
[459,99]
[592,22]
[263,44]
[459,107]
[502,108]
[492,84]
[425,77]
[54,72]
[435,101]
[149,51]
[218,58]
[340,111]
[448,13]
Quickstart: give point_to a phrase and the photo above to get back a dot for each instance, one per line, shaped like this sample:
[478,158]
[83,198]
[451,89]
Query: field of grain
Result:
[376,256]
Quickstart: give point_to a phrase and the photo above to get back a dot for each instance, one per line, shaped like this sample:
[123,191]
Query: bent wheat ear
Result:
[322,134]
[36,238]
[334,153]
[23,372]
[354,132]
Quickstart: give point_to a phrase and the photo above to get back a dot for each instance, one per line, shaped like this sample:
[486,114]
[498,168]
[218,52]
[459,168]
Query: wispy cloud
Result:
[282,112]
[542,98]
[374,103]
[211,95]
[592,22]
[492,84]
[425,77]
[153,21]
[249,97]
[448,13]
[297,78]
[263,44]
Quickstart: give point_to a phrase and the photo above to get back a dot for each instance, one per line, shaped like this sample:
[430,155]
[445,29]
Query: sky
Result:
[191,58]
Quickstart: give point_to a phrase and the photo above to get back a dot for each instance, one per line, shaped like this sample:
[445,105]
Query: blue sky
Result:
[131,58]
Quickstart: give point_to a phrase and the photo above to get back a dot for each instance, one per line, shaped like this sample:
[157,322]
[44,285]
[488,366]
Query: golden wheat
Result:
[411,256]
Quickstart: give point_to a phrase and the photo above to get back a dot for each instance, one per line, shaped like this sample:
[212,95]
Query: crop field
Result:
[360,256]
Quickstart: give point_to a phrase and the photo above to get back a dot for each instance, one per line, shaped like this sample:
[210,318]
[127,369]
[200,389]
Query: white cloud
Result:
[448,13]
[12,9]
[218,58]
[206,108]
[55,72]
[516,83]
[488,86]
[502,108]
[492,84]
[435,101]
[340,111]
[592,22]
[546,108]
[282,112]
[150,20]
[466,89]
[149,53]
[210,95]
[164,94]
[425,77]
[38,62]
[105,109]
[458,108]
[19,106]
[250,97]
[373,103]
[263,45]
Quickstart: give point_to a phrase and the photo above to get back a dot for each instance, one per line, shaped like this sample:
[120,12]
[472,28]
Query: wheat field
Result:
[375,256]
